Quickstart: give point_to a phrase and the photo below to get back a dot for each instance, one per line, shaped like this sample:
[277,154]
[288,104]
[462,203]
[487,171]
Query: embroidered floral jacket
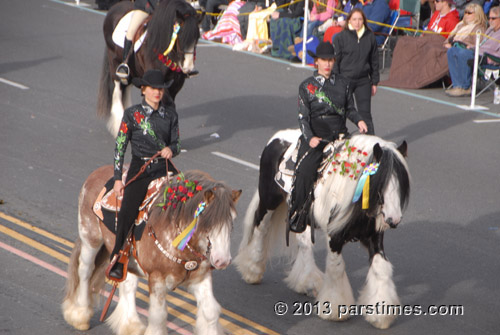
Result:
[148,131]
[324,105]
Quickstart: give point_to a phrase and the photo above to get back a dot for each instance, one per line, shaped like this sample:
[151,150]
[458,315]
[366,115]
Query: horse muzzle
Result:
[220,263]
[187,65]
[393,223]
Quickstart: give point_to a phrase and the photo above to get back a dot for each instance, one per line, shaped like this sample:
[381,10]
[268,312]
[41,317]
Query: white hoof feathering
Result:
[305,277]
[78,317]
[380,294]
[336,291]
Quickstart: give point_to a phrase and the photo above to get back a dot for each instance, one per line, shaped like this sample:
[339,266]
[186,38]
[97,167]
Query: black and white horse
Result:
[342,219]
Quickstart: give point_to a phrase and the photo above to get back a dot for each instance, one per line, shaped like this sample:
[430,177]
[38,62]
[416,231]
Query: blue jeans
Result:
[310,27]
[460,71]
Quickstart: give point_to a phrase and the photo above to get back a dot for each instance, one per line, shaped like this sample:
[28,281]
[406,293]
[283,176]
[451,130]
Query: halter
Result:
[163,57]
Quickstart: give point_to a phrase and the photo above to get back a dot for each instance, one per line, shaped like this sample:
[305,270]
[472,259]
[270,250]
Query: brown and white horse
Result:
[155,256]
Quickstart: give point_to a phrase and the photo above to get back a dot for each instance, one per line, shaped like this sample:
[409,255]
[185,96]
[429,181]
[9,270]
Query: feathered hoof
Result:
[331,312]
[77,317]
[135,328]
[251,273]
[380,322]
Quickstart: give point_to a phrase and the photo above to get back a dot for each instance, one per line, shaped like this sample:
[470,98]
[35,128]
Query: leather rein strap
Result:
[141,171]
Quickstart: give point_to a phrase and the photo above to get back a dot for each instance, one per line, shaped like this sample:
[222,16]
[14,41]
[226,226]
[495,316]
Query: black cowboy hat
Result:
[324,50]
[152,78]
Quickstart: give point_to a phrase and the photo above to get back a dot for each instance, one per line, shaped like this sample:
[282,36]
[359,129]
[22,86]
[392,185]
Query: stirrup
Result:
[123,73]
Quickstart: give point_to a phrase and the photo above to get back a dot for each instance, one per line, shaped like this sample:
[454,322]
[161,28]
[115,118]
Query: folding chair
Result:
[386,46]
[412,7]
[489,73]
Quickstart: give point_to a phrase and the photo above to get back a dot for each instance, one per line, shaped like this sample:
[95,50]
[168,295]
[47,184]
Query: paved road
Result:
[445,253]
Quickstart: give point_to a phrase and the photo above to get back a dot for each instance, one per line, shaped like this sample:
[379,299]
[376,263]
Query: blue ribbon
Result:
[370,170]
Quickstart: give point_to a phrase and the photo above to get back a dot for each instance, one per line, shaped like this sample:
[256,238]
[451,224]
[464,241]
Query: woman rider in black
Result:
[325,101]
[150,127]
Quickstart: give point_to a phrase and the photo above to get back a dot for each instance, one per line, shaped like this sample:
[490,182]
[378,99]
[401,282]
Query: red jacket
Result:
[443,24]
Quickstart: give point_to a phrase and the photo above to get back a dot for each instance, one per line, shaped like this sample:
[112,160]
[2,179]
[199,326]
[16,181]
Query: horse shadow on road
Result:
[18,65]
[230,116]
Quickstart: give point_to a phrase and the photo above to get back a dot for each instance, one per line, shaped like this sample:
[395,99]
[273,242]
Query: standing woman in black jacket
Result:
[357,60]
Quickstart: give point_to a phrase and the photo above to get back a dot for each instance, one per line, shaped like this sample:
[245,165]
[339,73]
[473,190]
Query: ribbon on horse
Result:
[183,238]
[177,27]
[364,185]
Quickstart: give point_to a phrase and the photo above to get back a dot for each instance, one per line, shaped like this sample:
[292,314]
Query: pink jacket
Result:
[328,13]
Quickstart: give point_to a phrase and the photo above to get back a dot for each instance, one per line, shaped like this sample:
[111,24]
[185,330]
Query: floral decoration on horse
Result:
[179,192]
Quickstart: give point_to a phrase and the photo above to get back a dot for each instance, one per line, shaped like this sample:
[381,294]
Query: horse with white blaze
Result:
[362,191]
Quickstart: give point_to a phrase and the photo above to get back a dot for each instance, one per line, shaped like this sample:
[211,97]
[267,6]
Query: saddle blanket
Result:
[285,175]
[121,29]
[107,204]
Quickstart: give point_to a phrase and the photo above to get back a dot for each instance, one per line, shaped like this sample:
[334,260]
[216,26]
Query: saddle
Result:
[285,175]
[118,35]
[107,201]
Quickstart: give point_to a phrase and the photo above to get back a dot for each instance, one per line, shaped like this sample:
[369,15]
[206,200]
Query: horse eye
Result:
[381,196]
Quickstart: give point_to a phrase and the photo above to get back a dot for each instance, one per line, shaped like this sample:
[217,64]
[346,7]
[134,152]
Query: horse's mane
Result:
[161,26]
[391,162]
[215,215]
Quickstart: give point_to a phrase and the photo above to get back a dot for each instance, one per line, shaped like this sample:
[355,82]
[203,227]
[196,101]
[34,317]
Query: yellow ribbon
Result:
[185,232]
[366,194]
[172,41]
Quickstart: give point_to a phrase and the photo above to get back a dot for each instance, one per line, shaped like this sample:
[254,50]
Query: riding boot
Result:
[123,70]
[116,271]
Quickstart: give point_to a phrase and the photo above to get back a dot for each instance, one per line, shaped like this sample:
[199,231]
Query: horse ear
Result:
[377,152]
[208,196]
[403,149]
[236,195]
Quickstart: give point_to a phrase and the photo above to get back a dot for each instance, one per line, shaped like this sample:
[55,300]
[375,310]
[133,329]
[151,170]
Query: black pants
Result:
[133,196]
[362,89]
[306,173]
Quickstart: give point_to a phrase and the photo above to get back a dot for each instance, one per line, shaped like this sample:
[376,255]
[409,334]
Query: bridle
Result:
[189,265]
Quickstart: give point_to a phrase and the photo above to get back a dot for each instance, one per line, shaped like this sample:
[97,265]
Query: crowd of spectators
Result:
[443,48]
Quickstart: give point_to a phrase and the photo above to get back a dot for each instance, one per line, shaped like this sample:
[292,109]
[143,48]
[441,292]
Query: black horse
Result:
[169,45]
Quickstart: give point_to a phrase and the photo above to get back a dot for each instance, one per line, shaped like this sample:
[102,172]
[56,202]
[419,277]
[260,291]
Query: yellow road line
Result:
[235,329]
[34,244]
[36,230]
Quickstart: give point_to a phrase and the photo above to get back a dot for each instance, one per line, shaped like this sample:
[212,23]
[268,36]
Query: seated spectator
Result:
[245,10]
[420,61]
[459,55]
[285,27]
[444,19]
[227,29]
[257,35]
[377,11]
[426,10]
[321,11]
[488,4]
[460,5]
[491,45]
[210,7]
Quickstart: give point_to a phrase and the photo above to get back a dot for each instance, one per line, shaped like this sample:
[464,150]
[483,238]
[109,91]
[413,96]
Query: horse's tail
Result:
[259,240]
[105,90]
